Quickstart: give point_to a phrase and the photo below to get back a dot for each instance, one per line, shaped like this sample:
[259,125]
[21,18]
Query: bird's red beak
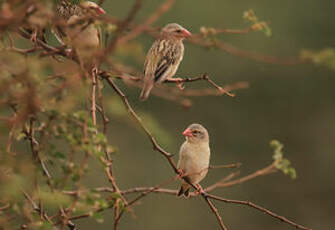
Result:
[186,33]
[187,133]
[99,10]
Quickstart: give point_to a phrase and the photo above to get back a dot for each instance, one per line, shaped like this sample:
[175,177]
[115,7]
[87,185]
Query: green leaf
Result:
[81,115]
[98,217]
[115,195]
[277,149]
[59,155]
[282,163]
[20,136]
[257,25]
[75,177]
[54,199]
[100,138]
[324,57]
[46,225]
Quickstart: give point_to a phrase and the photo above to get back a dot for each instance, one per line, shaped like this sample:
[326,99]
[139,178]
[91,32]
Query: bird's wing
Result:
[161,57]
[151,60]
[183,156]
[59,34]
[163,64]
[171,53]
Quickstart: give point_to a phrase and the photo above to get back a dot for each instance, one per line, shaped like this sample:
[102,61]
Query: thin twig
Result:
[101,108]
[202,77]
[34,145]
[37,209]
[215,211]
[165,6]
[4,207]
[224,46]
[174,94]
[261,172]
[93,101]
[200,40]
[264,210]
[122,26]
[156,146]
[234,165]
[152,189]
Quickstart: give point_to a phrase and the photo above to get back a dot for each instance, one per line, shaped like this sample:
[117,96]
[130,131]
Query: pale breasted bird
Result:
[194,157]
[164,57]
[80,31]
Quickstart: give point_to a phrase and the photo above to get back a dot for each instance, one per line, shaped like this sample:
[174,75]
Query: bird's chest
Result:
[82,35]
[197,158]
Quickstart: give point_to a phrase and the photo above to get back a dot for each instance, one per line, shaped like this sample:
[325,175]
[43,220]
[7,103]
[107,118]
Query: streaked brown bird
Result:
[80,31]
[164,57]
[194,157]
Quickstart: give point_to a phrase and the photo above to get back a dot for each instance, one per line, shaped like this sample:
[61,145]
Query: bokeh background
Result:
[294,104]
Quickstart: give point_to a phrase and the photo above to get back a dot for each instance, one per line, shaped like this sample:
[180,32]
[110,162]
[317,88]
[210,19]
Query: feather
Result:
[162,66]
[184,190]
[147,86]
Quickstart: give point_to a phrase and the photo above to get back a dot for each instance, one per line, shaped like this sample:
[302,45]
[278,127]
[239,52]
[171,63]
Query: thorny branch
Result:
[30,134]
[176,94]
[107,159]
[37,209]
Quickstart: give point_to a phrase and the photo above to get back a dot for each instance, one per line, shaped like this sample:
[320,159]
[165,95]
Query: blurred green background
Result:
[294,104]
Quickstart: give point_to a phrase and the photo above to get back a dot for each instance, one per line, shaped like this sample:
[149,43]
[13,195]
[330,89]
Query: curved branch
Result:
[259,208]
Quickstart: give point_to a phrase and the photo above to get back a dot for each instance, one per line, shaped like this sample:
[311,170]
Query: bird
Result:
[80,31]
[164,57]
[194,156]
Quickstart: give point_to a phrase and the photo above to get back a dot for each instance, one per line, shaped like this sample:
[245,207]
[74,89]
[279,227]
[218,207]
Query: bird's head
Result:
[196,133]
[175,30]
[92,8]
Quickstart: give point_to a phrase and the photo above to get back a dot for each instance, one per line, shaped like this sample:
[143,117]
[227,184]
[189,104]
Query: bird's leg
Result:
[95,71]
[33,37]
[199,190]
[69,52]
[181,173]
[179,82]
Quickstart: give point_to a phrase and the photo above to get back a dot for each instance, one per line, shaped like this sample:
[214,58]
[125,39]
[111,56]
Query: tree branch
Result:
[259,208]
[168,156]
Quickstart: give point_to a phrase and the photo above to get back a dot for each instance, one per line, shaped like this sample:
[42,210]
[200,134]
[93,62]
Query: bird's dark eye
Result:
[195,132]
[179,31]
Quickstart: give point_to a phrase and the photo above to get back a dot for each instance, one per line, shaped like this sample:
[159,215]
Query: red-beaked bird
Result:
[194,157]
[80,32]
[164,57]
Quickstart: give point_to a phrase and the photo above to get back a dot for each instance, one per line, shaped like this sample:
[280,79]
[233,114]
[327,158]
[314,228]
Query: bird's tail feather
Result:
[147,87]
[184,190]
